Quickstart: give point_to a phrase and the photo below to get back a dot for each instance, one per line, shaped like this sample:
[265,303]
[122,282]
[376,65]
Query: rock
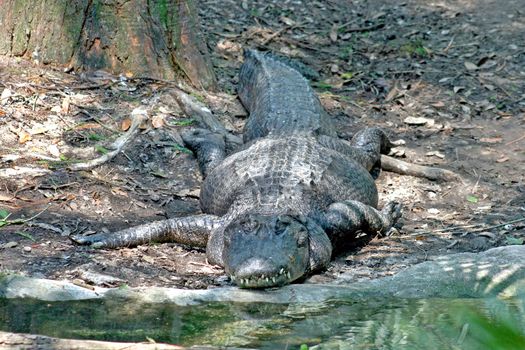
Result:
[495,272]
[9,245]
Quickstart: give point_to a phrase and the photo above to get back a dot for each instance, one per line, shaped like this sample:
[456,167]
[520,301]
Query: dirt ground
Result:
[448,77]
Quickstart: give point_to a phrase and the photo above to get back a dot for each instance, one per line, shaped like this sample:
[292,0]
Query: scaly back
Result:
[279,99]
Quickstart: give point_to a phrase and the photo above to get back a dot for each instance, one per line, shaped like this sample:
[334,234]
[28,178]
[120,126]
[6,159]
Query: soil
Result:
[447,77]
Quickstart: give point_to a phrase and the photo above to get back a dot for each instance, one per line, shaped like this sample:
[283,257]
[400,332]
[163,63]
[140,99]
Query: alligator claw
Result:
[94,241]
[392,211]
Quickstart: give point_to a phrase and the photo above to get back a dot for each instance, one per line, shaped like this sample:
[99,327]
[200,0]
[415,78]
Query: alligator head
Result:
[272,250]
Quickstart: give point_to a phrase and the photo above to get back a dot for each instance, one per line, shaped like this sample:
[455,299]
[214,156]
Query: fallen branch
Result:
[361,29]
[138,116]
[20,171]
[398,166]
[32,341]
[475,228]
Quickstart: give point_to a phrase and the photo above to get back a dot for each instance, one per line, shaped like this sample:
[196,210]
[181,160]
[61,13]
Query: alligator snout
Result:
[261,273]
[265,251]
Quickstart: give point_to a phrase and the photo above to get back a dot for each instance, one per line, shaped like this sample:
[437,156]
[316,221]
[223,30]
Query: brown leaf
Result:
[502,159]
[6,197]
[2,113]
[65,105]
[333,33]
[53,149]
[87,126]
[148,259]
[23,137]
[392,94]
[157,121]
[126,123]
[438,104]
[118,191]
[491,139]
[287,21]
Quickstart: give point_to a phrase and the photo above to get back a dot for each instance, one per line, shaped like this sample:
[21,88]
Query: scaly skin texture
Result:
[275,209]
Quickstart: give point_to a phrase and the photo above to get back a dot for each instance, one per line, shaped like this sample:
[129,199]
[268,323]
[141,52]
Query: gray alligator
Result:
[275,209]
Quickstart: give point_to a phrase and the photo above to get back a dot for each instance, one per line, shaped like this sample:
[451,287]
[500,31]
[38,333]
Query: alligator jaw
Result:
[264,281]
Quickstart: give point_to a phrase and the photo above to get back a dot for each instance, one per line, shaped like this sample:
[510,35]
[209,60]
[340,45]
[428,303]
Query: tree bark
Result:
[152,38]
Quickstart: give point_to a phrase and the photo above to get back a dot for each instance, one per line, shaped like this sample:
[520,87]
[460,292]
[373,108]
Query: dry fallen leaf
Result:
[39,129]
[6,197]
[287,21]
[87,126]
[23,137]
[419,121]
[502,159]
[435,154]
[471,66]
[53,150]
[148,259]
[333,33]
[438,104]
[393,94]
[118,191]
[126,123]
[6,94]
[157,121]
[491,139]
[65,105]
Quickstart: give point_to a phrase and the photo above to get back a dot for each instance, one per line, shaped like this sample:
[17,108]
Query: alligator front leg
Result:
[208,146]
[191,230]
[343,219]
[366,147]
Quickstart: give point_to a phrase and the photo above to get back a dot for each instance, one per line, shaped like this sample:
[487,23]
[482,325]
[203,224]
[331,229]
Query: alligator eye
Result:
[248,225]
[280,227]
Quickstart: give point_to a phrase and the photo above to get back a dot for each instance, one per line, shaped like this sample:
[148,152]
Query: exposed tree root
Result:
[398,166]
[138,116]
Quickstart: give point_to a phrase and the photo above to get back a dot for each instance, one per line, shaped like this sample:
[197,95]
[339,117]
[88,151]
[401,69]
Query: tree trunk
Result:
[152,38]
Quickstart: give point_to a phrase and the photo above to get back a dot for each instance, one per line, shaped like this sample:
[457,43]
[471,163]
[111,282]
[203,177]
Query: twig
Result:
[365,29]
[516,140]
[275,35]
[476,227]
[445,50]
[138,116]
[404,168]
[5,222]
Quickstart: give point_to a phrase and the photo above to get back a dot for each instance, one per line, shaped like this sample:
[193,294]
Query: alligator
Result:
[275,210]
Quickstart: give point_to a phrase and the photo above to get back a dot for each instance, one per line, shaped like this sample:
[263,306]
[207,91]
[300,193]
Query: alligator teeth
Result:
[262,277]
[267,280]
[273,279]
[282,271]
[232,278]
[288,275]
